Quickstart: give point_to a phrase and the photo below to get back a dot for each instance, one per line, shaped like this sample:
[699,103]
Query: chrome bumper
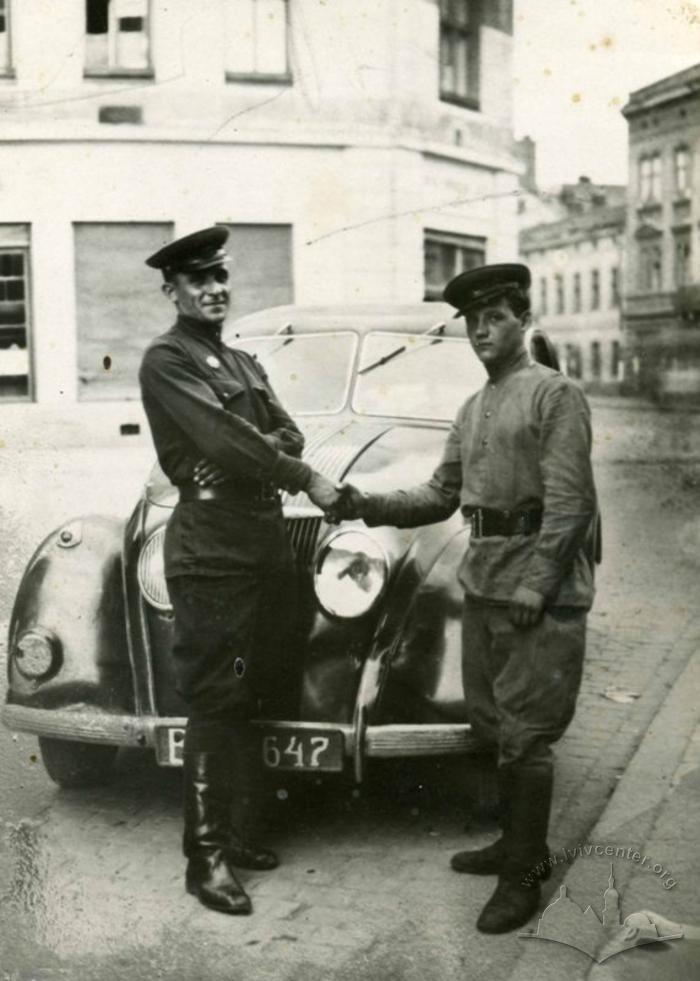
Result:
[387,741]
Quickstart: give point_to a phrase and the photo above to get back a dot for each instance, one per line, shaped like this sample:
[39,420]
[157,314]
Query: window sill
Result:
[285,78]
[118,73]
[460,100]
[8,74]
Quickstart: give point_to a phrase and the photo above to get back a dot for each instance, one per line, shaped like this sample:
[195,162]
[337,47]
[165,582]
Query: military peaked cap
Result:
[485,283]
[200,250]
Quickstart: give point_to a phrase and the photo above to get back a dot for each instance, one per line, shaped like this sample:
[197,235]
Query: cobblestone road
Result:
[92,882]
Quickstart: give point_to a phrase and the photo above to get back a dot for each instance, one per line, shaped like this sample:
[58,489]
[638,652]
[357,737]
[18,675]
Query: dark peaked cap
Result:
[200,250]
[485,283]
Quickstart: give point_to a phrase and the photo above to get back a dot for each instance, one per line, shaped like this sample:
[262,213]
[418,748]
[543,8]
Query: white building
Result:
[576,264]
[358,151]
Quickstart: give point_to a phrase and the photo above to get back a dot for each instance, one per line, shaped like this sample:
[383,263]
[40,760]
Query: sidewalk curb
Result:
[627,819]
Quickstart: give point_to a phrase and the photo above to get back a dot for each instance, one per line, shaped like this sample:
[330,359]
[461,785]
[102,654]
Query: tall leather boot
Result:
[243,849]
[207,800]
[489,860]
[517,894]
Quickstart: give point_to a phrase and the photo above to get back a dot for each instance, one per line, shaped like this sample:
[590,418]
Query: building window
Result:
[559,293]
[577,293]
[681,258]
[650,259]
[15,361]
[261,267]
[445,256]
[459,52]
[615,287]
[595,289]
[256,34]
[116,37]
[5,52]
[572,360]
[596,361]
[615,360]
[544,298]
[650,178]
[118,302]
[681,160]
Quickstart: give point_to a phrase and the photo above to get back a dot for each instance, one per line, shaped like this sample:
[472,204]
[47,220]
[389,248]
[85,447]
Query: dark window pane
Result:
[3,24]
[130,24]
[15,289]
[17,264]
[96,16]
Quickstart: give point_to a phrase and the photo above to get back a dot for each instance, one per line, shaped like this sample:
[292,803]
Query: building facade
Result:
[357,152]
[662,271]
[576,266]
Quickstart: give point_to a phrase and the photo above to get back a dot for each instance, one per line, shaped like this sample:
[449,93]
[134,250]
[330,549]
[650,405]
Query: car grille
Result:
[303,534]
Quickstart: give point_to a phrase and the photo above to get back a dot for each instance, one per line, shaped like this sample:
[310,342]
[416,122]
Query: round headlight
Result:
[34,653]
[151,571]
[351,573]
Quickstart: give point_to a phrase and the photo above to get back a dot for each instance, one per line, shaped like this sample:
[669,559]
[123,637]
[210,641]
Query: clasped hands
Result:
[339,502]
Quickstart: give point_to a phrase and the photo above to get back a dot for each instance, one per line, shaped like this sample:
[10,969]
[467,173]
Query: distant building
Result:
[662,272]
[576,265]
[357,152]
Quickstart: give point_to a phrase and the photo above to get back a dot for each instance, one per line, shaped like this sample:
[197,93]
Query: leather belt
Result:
[253,493]
[488,521]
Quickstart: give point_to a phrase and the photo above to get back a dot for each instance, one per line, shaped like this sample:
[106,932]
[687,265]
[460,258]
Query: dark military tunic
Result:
[205,399]
[227,561]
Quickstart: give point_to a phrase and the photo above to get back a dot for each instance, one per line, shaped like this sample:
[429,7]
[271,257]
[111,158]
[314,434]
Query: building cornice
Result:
[334,140]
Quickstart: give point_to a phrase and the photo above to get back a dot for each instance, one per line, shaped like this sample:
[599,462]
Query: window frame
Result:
[450,30]
[651,259]
[559,294]
[682,190]
[614,287]
[650,178]
[7,70]
[682,257]
[26,250]
[266,78]
[117,71]
[462,243]
[544,296]
[576,300]
[595,289]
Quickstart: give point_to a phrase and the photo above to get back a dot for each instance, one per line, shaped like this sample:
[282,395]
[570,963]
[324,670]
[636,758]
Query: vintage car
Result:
[374,390]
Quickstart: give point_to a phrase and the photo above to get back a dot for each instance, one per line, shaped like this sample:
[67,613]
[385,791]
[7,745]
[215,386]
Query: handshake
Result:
[339,502]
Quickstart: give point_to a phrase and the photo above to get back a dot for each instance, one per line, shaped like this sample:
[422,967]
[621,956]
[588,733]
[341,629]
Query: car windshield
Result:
[310,373]
[415,377]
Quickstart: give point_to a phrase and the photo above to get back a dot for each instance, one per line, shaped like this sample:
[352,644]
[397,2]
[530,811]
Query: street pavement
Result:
[92,881]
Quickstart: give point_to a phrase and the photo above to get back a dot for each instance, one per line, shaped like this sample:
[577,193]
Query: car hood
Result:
[372,454]
[376,455]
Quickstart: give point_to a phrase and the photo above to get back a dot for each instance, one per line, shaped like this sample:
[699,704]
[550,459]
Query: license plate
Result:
[169,745]
[316,750]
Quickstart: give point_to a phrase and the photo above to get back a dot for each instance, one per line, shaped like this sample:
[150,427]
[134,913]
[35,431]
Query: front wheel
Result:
[71,764]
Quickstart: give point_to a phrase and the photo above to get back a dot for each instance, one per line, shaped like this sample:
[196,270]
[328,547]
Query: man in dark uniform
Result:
[517,462]
[228,562]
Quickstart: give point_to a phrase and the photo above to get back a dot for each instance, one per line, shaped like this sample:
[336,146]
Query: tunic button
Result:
[484,442]
[487,414]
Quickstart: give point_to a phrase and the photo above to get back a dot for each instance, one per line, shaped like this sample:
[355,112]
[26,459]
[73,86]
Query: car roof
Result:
[404,318]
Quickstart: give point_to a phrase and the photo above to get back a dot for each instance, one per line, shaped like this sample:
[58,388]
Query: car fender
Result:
[71,593]
[413,672]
